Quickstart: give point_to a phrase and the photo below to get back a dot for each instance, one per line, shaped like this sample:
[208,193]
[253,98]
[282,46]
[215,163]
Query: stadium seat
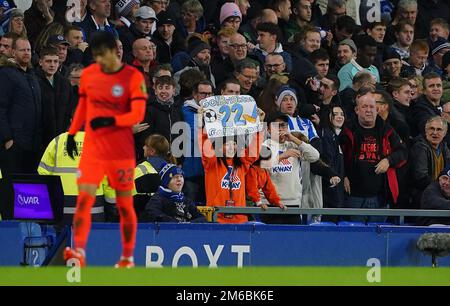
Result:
[36,245]
[346,223]
[322,224]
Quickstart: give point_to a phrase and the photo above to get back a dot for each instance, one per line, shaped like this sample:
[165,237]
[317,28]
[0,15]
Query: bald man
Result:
[144,53]
[269,15]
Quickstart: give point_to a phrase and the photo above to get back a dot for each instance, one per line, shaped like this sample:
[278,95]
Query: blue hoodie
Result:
[192,166]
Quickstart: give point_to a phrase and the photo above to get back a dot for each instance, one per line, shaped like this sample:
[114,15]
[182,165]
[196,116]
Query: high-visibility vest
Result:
[140,170]
[56,161]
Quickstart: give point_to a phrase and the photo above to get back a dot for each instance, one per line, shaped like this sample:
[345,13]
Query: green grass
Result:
[260,276]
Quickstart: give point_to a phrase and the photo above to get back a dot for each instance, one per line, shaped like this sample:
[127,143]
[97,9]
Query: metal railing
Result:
[401,213]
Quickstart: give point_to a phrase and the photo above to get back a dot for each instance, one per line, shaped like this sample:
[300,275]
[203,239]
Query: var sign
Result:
[155,255]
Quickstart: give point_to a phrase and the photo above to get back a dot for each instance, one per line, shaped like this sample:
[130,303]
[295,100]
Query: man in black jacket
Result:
[437,196]
[20,112]
[57,96]
[163,111]
[372,152]
[168,40]
[429,104]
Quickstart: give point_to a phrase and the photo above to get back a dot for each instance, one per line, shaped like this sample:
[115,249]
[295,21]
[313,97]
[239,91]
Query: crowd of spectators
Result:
[370,100]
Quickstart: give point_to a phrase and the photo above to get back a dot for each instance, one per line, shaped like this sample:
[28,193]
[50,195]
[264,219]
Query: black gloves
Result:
[71,146]
[102,122]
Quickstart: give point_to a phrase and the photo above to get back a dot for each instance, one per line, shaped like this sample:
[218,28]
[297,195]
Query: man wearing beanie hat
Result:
[230,16]
[346,51]
[438,49]
[169,41]
[392,64]
[126,9]
[287,93]
[287,103]
[169,204]
[200,58]
[437,196]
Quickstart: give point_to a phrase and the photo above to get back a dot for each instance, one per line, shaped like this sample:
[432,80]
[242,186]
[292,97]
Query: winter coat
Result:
[57,105]
[421,111]
[166,52]
[192,164]
[434,198]
[422,166]
[161,209]
[333,156]
[161,118]
[20,107]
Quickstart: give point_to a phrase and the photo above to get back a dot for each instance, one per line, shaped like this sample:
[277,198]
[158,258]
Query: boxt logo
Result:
[27,200]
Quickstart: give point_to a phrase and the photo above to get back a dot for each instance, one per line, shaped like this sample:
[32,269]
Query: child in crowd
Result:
[169,204]
[225,171]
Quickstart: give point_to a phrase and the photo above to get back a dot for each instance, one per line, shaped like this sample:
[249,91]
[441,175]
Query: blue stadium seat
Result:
[322,224]
[36,245]
[346,223]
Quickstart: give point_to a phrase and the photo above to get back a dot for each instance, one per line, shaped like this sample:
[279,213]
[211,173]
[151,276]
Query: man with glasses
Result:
[274,64]
[194,184]
[246,73]
[428,156]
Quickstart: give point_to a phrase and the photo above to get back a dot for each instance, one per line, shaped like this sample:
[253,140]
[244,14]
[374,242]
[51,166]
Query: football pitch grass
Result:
[255,276]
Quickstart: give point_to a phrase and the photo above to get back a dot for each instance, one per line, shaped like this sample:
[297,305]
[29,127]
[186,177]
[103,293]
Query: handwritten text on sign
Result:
[230,116]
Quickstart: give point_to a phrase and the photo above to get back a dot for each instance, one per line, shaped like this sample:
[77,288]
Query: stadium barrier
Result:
[400,213]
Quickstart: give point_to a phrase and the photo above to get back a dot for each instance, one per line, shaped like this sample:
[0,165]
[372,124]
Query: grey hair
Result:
[194,7]
[406,3]
[436,118]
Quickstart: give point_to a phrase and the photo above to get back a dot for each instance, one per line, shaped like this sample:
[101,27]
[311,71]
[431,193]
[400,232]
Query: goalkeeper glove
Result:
[99,122]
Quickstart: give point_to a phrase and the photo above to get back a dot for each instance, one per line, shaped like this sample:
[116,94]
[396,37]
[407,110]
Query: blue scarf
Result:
[177,197]
[156,162]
